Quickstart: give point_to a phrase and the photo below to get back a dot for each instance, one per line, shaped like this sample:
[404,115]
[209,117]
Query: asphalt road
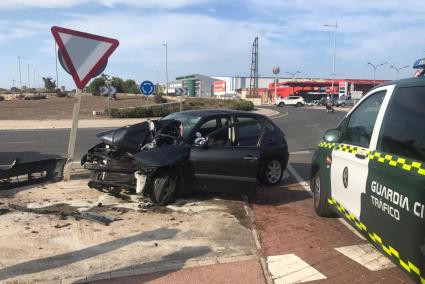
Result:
[304,128]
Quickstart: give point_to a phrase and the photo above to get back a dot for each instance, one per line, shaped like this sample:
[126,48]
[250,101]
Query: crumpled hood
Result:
[131,137]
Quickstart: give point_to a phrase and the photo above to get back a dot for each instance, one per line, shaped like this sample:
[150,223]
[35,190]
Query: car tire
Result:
[281,104]
[164,187]
[320,196]
[272,172]
[343,105]
[299,104]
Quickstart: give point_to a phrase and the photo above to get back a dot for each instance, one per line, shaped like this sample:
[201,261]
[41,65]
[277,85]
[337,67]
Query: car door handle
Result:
[250,158]
[360,156]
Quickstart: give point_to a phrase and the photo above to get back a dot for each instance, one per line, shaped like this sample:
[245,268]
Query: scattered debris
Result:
[95,217]
[19,174]
[58,226]
[4,211]
[99,204]
[34,232]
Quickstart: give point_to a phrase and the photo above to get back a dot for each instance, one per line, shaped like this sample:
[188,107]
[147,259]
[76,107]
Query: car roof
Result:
[208,112]
[409,82]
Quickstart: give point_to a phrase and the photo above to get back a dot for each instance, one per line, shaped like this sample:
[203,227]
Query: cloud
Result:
[10,31]
[164,4]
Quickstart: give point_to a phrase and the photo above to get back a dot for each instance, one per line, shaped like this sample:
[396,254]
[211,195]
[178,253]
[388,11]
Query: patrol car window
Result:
[403,129]
[361,122]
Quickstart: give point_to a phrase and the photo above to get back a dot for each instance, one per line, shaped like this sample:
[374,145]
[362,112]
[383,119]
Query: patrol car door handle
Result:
[361,156]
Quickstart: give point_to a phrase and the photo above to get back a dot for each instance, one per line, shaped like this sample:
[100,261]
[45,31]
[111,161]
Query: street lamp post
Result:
[397,69]
[293,78]
[334,55]
[374,69]
[166,67]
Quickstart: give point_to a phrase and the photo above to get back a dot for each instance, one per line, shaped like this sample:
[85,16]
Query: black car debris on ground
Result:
[217,150]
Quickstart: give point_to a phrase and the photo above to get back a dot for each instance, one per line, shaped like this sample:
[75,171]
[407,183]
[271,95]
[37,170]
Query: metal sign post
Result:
[84,56]
[73,135]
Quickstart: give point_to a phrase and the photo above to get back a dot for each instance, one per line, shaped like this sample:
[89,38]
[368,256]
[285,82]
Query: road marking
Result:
[290,268]
[305,185]
[299,179]
[300,152]
[366,255]
[279,116]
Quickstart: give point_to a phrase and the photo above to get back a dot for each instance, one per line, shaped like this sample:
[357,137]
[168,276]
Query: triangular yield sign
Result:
[83,53]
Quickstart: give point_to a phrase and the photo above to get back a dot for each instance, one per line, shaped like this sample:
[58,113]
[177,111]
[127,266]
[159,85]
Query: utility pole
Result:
[334,55]
[166,67]
[29,82]
[20,75]
[374,69]
[35,82]
[397,69]
[13,82]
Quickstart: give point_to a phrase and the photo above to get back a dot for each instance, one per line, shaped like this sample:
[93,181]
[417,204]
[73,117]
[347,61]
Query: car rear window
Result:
[403,130]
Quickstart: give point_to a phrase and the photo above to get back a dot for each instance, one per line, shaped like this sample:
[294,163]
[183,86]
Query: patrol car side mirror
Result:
[332,135]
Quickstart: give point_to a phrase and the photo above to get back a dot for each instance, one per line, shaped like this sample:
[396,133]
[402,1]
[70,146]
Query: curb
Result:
[256,236]
[166,266]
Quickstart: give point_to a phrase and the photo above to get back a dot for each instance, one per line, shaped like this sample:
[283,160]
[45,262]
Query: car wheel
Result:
[164,187]
[281,104]
[299,104]
[343,105]
[320,196]
[272,172]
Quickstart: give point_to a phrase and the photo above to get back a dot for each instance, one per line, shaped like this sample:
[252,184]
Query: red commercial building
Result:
[313,89]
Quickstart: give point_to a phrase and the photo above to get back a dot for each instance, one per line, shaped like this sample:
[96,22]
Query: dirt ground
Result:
[61,108]
[52,244]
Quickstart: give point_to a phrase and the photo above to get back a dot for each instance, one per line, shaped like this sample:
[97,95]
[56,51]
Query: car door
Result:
[229,161]
[349,160]
[393,206]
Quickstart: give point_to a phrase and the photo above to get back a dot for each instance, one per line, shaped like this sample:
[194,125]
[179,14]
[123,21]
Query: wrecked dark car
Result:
[208,150]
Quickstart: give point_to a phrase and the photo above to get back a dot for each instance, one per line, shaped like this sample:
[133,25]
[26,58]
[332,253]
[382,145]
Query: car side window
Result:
[362,121]
[213,124]
[222,138]
[403,128]
[248,134]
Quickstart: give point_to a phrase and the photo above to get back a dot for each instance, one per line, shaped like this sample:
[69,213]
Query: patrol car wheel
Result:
[320,196]
[281,104]
[272,172]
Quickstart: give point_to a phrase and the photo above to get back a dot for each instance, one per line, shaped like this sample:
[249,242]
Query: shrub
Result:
[188,104]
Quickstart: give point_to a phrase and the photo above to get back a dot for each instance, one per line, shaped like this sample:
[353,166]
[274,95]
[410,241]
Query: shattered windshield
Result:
[188,121]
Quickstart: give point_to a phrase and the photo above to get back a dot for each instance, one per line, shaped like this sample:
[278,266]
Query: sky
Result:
[215,38]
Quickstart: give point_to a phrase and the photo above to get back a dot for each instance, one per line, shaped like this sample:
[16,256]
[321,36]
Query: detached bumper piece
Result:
[20,174]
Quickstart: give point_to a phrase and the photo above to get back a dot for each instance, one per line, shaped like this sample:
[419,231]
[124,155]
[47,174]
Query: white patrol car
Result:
[290,101]
[371,171]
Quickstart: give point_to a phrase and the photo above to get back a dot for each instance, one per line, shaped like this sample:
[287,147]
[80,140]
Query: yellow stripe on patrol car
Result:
[408,266]
[394,161]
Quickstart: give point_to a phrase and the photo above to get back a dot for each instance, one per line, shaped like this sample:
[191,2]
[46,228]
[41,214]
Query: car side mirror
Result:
[332,135]
[200,142]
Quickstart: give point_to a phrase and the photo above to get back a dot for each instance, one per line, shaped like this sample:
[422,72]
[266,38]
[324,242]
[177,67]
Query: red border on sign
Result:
[81,82]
